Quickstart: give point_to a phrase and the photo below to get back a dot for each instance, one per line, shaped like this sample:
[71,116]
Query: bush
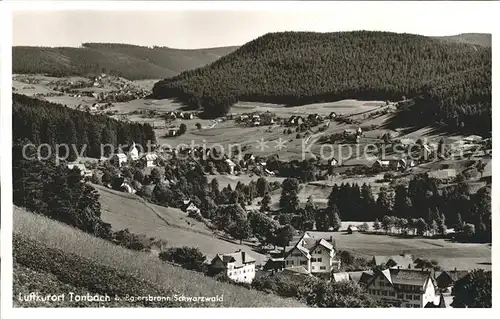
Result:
[188,257]
[132,241]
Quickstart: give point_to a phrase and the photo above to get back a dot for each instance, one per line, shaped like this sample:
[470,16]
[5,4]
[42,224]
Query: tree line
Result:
[42,122]
[461,100]
[135,62]
[295,68]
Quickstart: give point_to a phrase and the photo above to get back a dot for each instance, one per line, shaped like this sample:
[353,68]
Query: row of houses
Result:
[131,154]
[401,284]
[180,115]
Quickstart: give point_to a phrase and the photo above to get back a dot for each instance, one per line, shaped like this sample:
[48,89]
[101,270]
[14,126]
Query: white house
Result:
[333,162]
[425,152]
[190,207]
[316,255]
[149,159]
[238,266]
[119,159]
[408,288]
[231,165]
[133,153]
[127,188]
[382,163]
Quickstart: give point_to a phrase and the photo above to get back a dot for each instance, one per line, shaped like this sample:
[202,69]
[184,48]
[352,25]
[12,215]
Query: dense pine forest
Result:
[43,122]
[302,67]
[129,61]
[461,100]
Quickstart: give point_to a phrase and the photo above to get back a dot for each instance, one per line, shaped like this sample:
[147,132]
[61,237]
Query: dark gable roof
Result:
[365,278]
[454,274]
[403,261]
[409,276]
[238,258]
[326,235]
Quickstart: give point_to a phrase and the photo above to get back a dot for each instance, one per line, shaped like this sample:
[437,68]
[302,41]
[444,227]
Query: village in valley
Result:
[269,203]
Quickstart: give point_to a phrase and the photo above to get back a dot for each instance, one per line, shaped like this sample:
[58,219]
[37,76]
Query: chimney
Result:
[243,256]
[331,238]
[455,268]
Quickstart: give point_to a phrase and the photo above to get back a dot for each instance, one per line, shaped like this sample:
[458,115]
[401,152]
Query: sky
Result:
[190,29]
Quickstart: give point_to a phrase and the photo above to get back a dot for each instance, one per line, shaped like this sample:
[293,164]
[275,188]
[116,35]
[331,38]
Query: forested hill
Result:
[129,61]
[42,122]
[302,67]
[482,39]
[460,100]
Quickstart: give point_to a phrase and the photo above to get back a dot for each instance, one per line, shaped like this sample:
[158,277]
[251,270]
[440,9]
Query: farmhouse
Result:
[231,165]
[333,162]
[403,287]
[405,163]
[125,187]
[172,131]
[382,163]
[149,159]
[340,276]
[190,207]
[238,266]
[295,120]
[447,279]
[352,229]
[397,261]
[274,264]
[425,152]
[315,254]
[132,152]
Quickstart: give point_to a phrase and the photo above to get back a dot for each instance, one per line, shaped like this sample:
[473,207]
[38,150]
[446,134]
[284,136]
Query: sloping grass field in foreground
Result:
[130,211]
[51,255]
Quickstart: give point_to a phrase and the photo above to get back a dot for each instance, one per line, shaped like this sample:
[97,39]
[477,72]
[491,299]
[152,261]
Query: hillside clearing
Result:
[448,254]
[170,224]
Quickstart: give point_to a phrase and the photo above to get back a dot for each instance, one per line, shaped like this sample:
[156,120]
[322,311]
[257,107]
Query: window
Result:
[378,292]
[230,273]
[313,267]
[384,293]
[416,297]
[400,296]
[322,267]
[320,259]
[291,262]
[409,297]
[392,293]
[303,262]
[313,260]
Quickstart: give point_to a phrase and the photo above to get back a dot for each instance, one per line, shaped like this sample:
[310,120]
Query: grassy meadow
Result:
[130,211]
[98,266]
